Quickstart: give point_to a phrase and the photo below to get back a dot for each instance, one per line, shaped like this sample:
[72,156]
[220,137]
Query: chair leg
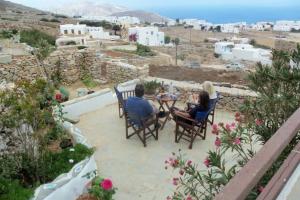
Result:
[156,133]
[144,138]
[176,133]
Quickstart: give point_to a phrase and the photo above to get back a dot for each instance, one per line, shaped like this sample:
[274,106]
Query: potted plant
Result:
[151,87]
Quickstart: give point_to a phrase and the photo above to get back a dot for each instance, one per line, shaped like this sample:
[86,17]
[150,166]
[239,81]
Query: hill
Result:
[142,15]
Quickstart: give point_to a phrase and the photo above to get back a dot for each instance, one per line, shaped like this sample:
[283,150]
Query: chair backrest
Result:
[202,116]
[213,102]
[119,94]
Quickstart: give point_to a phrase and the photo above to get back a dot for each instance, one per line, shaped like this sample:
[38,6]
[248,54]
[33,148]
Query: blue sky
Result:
[144,4]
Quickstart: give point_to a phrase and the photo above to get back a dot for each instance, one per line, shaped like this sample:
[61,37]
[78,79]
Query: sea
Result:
[226,14]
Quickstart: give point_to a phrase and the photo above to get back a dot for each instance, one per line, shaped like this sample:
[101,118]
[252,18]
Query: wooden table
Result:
[166,103]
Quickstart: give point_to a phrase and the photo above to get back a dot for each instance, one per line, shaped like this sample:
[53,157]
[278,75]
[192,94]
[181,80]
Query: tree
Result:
[176,41]
[167,39]
[252,42]
[42,51]
[116,28]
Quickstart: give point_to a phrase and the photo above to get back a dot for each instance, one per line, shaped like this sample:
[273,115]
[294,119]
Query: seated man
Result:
[139,108]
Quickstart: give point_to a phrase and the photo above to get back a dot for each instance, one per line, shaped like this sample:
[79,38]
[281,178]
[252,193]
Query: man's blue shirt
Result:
[139,108]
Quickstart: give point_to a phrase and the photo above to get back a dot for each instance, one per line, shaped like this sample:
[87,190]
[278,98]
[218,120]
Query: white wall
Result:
[149,36]
[89,102]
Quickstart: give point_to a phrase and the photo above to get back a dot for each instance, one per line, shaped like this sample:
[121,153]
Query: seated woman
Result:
[209,87]
[202,106]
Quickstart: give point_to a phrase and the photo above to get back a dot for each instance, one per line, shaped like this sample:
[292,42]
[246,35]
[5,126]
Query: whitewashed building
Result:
[222,48]
[286,26]
[237,52]
[123,20]
[81,33]
[149,36]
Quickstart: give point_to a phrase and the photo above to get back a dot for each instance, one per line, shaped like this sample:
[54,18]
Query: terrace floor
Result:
[139,173]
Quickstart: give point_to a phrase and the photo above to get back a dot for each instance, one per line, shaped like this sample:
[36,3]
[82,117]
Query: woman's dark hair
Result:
[139,90]
[204,99]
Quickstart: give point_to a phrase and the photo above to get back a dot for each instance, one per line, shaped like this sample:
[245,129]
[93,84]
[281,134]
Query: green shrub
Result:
[65,93]
[32,37]
[81,47]
[151,86]
[59,16]
[88,81]
[55,164]
[70,43]
[55,20]
[99,192]
[167,39]
[44,20]
[143,50]
[55,133]
[6,34]
[12,190]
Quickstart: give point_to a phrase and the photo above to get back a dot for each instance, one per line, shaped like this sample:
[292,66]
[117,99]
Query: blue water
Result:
[231,14]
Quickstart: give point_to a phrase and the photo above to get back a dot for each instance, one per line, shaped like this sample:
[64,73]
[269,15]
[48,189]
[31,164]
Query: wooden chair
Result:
[188,129]
[122,98]
[212,105]
[143,128]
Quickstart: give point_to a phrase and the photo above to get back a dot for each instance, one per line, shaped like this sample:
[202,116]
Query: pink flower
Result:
[106,184]
[237,141]
[228,127]
[189,198]
[175,181]
[259,122]
[215,129]
[261,189]
[218,142]
[189,163]
[169,198]
[206,162]
[181,172]
[232,124]
[237,114]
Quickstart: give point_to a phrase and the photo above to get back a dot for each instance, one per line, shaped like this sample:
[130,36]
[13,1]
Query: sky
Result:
[147,4]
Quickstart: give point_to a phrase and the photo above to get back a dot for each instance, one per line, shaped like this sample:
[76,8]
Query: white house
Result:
[123,20]
[149,36]
[224,47]
[80,34]
[286,26]
[237,52]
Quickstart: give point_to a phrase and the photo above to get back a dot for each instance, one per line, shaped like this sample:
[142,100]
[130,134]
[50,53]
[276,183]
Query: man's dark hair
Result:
[204,99]
[139,90]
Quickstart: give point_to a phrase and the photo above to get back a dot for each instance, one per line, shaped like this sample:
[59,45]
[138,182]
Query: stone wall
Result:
[73,64]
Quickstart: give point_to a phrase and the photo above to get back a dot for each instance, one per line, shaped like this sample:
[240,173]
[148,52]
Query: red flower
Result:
[259,122]
[58,97]
[106,184]
[206,162]
[232,124]
[237,141]
[218,142]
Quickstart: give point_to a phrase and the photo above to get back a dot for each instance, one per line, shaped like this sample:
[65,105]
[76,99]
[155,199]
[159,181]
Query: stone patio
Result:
[139,173]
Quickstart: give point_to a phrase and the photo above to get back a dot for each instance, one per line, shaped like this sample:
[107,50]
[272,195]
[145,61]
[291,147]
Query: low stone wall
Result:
[72,64]
[231,97]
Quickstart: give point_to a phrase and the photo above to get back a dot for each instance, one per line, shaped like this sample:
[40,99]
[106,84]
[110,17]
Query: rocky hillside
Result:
[142,15]
[17,16]
[88,8]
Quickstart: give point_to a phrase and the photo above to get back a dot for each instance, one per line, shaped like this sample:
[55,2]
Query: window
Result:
[65,32]
[79,32]
[72,31]
[151,32]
